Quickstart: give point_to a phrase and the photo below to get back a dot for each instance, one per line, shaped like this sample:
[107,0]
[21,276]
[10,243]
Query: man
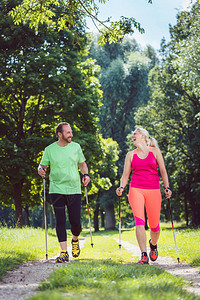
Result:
[64,157]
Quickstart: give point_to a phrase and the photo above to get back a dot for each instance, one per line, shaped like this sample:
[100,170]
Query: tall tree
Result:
[43,80]
[123,78]
[173,113]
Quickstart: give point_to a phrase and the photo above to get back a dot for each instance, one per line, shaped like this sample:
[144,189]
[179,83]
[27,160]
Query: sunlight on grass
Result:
[188,242]
[105,248]
[18,245]
[106,272]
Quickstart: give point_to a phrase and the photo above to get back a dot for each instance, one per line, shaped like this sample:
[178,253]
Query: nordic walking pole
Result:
[45,217]
[88,215]
[120,222]
[173,231]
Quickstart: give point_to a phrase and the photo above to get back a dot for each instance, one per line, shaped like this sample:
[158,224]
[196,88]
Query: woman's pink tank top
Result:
[145,173]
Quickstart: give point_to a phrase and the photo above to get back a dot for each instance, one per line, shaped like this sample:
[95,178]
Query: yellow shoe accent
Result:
[63,258]
[75,248]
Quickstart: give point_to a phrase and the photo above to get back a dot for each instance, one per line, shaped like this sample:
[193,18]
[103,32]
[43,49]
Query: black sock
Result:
[144,254]
[74,240]
[153,247]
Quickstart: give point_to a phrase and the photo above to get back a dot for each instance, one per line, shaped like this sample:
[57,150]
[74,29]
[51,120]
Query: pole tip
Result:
[92,245]
[120,246]
[46,256]
[178,259]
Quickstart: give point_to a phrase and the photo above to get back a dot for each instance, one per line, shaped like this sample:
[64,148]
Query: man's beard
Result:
[68,140]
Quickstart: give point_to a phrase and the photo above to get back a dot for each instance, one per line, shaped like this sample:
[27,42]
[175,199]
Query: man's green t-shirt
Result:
[63,161]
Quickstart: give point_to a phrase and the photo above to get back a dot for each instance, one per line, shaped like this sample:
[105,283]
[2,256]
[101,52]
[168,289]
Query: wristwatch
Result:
[167,188]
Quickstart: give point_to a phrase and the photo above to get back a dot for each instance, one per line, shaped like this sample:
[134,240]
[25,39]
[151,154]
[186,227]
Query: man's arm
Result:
[84,170]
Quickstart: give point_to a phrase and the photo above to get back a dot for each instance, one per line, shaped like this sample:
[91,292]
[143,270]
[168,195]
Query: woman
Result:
[144,189]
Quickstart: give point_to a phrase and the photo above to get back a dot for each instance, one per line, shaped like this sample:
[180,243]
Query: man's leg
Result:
[74,211]
[59,202]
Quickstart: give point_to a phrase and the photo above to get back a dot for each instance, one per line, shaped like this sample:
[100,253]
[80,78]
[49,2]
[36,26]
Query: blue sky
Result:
[154,18]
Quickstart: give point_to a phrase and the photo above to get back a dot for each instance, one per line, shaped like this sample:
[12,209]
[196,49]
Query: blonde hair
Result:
[150,140]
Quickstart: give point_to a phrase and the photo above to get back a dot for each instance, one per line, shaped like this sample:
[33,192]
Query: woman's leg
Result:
[141,237]
[154,237]
[153,205]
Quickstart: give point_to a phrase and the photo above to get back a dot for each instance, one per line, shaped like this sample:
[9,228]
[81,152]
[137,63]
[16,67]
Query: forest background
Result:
[104,85]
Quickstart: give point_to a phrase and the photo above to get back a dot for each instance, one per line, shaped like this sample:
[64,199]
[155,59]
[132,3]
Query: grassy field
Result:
[188,242]
[103,272]
[24,244]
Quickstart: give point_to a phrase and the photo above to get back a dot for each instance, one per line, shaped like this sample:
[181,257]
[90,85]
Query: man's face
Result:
[66,134]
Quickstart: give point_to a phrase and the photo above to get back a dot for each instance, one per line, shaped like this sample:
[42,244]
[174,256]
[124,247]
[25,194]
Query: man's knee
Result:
[76,229]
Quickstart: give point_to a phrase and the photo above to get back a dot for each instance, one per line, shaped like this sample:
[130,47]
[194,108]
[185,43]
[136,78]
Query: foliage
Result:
[45,78]
[124,77]
[174,109]
[38,12]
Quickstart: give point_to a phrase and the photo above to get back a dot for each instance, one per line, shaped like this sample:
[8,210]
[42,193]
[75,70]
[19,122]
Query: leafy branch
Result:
[74,13]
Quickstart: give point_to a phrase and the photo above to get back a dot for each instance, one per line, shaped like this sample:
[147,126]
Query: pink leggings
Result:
[151,200]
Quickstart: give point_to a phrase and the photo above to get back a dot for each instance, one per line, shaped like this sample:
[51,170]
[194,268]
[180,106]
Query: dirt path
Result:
[22,283]
[189,272]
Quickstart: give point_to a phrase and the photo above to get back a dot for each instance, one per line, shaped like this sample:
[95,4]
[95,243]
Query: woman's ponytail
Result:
[153,142]
[150,140]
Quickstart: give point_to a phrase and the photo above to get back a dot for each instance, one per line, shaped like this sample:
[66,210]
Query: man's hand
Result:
[42,171]
[86,179]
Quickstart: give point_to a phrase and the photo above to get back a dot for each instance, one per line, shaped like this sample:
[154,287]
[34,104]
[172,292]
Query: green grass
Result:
[18,245]
[188,242]
[106,272]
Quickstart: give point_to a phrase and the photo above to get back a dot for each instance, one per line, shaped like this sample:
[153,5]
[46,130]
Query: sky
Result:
[154,18]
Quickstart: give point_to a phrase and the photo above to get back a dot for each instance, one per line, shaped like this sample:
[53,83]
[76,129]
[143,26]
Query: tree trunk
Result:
[27,223]
[110,218]
[102,219]
[186,211]
[195,210]
[96,217]
[17,189]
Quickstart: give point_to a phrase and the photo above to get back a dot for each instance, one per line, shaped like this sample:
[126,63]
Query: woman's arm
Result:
[163,171]
[126,173]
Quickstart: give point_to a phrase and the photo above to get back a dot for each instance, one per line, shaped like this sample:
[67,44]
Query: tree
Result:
[124,81]
[174,109]
[44,79]
[37,12]
[103,184]
[123,77]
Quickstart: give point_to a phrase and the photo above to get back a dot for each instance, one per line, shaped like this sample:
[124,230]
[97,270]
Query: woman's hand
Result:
[119,191]
[168,192]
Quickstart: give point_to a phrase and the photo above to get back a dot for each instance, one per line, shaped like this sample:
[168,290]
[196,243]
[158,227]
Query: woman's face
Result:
[137,138]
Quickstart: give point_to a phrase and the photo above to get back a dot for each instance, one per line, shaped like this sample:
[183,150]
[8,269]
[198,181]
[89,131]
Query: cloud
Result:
[186,4]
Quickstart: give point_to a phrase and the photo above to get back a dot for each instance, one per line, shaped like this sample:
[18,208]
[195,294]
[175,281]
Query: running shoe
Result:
[153,254]
[144,260]
[75,249]
[63,258]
